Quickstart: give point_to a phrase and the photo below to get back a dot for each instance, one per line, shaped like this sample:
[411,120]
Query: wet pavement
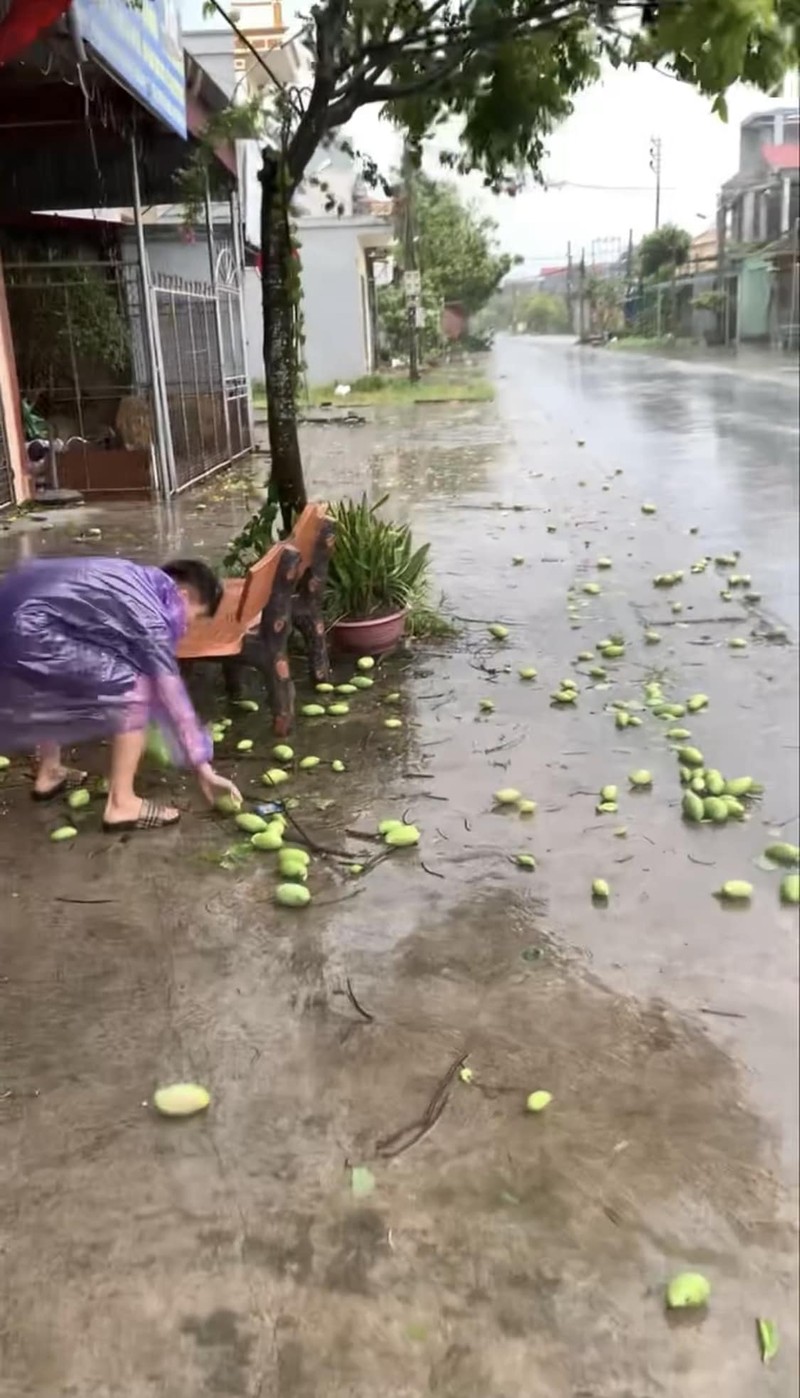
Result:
[502,1255]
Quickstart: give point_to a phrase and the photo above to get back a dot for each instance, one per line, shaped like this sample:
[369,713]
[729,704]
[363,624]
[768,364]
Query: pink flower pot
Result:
[375,636]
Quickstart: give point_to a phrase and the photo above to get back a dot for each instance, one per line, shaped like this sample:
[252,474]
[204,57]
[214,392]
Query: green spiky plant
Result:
[375,568]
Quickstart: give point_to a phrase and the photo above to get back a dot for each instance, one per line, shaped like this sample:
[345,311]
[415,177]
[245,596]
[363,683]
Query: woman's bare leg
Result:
[126,753]
[50,769]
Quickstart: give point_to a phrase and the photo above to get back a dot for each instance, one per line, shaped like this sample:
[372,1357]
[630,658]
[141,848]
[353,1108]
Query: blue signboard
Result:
[142,47]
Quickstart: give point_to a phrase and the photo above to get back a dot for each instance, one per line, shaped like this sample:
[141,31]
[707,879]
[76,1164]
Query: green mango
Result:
[64,832]
[783,854]
[736,891]
[738,786]
[251,823]
[688,1290]
[274,777]
[692,806]
[715,809]
[790,889]
[690,757]
[292,895]
[715,782]
[269,839]
[402,836]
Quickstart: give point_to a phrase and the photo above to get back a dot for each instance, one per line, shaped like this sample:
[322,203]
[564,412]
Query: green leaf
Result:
[768,1339]
[362,1181]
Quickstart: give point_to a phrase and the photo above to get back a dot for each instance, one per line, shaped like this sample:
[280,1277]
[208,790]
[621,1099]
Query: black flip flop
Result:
[71,782]
[150,818]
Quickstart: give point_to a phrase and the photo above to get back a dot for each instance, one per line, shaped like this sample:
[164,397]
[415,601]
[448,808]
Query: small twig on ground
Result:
[409,1135]
[433,872]
[505,745]
[706,863]
[378,859]
[721,1014]
[417,776]
[315,844]
[428,796]
[351,995]
[343,898]
[86,900]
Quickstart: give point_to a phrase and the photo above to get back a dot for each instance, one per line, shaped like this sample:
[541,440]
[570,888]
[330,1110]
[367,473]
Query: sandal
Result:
[150,817]
[71,780]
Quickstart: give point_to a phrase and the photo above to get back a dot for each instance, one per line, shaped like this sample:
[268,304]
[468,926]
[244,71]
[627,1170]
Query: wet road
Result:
[503,1256]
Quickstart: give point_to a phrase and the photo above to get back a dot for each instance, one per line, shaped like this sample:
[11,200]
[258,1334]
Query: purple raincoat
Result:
[87,650]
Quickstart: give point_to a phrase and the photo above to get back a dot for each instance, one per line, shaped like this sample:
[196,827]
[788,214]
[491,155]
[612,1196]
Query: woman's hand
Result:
[213,785]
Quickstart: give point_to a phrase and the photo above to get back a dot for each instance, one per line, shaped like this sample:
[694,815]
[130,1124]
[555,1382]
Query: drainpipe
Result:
[241,275]
[163,462]
[212,262]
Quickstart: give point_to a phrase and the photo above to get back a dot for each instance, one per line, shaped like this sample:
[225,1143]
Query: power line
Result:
[606,188]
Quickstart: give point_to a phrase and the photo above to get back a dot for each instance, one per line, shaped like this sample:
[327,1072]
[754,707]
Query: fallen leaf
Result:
[362,1181]
[768,1339]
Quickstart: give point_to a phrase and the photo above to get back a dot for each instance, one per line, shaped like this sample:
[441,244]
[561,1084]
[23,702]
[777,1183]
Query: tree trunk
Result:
[279,316]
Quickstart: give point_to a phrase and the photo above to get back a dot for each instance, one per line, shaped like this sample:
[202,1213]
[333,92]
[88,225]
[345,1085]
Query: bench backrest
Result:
[306,532]
[257,587]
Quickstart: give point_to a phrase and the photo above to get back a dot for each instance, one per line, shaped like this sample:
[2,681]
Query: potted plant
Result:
[375,575]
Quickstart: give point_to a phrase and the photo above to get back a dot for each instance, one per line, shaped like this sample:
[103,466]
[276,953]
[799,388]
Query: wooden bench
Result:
[256,615]
[252,623]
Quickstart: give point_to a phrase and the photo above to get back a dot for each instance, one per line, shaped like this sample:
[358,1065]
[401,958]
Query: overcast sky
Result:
[602,152]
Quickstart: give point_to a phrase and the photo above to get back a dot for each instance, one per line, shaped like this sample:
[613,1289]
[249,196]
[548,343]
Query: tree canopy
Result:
[507,71]
[510,68]
[455,246]
[666,247]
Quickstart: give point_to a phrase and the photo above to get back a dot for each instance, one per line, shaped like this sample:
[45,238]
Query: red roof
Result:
[551,271]
[783,157]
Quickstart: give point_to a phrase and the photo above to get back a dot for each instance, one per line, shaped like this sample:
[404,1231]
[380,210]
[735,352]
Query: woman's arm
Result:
[172,708]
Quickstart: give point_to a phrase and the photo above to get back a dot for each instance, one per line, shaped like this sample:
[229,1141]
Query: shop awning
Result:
[23,22]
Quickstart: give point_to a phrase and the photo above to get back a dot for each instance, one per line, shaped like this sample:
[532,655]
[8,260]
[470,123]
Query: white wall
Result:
[334,304]
[333,271]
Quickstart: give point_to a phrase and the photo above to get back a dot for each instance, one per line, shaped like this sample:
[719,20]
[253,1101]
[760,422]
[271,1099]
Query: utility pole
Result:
[582,297]
[722,271]
[569,289]
[411,275]
[655,166]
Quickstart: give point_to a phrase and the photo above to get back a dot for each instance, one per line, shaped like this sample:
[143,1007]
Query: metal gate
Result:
[201,357]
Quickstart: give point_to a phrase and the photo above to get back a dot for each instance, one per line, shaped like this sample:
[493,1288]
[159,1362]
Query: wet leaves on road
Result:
[768,1340]
[362,1181]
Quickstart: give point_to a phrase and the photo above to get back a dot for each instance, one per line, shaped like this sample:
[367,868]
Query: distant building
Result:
[761,202]
[759,219]
[703,250]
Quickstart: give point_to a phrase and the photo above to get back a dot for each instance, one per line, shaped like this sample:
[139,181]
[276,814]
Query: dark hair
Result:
[191,572]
